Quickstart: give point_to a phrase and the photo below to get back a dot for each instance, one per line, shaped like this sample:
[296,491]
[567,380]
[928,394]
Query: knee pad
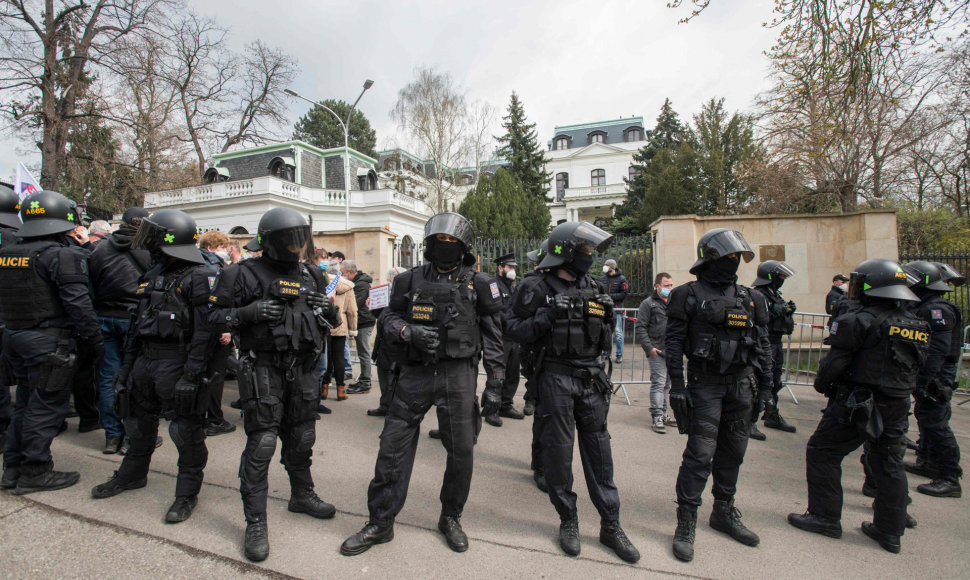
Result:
[265,447]
[132,427]
[177,433]
[305,435]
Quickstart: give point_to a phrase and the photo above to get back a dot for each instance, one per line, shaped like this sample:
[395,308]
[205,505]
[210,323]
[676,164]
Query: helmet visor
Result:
[149,236]
[950,275]
[587,233]
[729,242]
[783,270]
[286,245]
[452,224]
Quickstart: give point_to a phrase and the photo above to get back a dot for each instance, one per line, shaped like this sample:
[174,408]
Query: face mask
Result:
[606,269]
[580,265]
[324,265]
[446,255]
[510,275]
[665,292]
[223,255]
[843,287]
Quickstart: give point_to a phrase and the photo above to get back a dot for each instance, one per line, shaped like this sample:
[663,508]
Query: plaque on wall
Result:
[772,252]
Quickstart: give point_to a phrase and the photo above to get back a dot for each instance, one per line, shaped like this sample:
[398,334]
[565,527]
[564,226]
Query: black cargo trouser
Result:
[387,373]
[567,405]
[718,436]
[40,408]
[152,391]
[835,437]
[450,385]
[216,373]
[937,444]
[510,355]
[283,405]
[85,387]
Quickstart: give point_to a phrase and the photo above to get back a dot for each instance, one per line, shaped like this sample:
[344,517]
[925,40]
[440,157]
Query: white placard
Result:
[380,296]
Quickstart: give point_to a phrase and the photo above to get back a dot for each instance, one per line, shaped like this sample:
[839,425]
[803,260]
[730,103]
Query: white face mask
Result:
[510,274]
[222,254]
[606,269]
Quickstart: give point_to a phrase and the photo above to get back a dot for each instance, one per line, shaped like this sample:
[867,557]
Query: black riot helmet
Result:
[568,238]
[9,207]
[928,275]
[134,215]
[46,213]
[449,223]
[283,234]
[950,275]
[882,278]
[535,256]
[171,232]
[718,243]
[771,271]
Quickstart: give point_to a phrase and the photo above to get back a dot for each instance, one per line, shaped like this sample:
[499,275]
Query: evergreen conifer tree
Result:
[526,160]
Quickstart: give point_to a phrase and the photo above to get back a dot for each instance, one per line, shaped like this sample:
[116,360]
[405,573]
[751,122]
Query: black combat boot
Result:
[942,487]
[612,536]
[49,480]
[114,486]
[305,501]
[923,468]
[816,524]
[370,535]
[529,409]
[493,419]
[910,520]
[774,420]
[756,434]
[569,536]
[511,412]
[181,509]
[684,535]
[726,518]
[889,542]
[450,526]
[11,473]
[257,539]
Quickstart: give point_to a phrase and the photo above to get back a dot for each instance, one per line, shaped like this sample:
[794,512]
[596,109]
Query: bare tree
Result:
[48,52]
[433,112]
[481,144]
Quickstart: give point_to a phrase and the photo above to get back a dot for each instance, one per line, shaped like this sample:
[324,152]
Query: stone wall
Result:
[250,166]
[816,246]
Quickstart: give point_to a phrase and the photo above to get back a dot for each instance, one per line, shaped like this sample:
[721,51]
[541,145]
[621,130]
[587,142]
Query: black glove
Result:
[120,382]
[764,400]
[319,300]
[122,400]
[681,404]
[561,305]
[186,394]
[424,338]
[96,348]
[791,307]
[492,397]
[260,311]
[607,303]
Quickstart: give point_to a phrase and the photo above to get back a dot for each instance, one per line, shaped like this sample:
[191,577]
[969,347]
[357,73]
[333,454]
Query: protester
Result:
[365,324]
[650,331]
[214,246]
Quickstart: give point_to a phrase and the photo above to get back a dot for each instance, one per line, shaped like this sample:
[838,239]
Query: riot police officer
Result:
[277,305]
[568,319]
[45,303]
[9,224]
[938,451]
[719,326]
[527,367]
[441,318]
[781,322]
[868,375]
[165,356]
[505,279]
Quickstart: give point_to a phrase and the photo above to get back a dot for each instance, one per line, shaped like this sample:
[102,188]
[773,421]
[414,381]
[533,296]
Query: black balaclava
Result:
[447,255]
[580,264]
[721,272]
[777,282]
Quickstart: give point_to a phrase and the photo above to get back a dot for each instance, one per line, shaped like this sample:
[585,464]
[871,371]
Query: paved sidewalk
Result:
[512,526]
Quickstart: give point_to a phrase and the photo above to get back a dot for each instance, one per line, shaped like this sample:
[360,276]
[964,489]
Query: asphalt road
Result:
[511,525]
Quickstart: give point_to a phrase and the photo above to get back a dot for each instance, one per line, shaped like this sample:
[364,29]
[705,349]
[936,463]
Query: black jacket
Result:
[115,269]
[362,284]
[617,287]
[650,329]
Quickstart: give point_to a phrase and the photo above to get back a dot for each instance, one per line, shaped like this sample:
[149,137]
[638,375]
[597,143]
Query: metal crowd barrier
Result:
[963,386]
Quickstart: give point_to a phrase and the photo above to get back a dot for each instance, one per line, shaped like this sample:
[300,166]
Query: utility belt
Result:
[286,361]
[937,391]
[859,408]
[719,379]
[595,377]
[163,350]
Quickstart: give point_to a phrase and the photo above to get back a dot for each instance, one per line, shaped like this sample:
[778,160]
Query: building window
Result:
[634,172]
[561,143]
[597,137]
[633,134]
[598,177]
[562,182]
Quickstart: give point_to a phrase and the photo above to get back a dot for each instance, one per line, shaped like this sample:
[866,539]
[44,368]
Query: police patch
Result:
[212,282]
[834,329]
[936,314]
[494,288]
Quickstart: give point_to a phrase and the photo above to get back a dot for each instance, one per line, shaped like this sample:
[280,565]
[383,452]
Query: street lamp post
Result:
[345,125]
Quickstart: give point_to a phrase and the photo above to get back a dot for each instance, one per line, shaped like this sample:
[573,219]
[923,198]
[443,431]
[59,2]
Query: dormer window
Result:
[597,137]
[561,143]
[633,134]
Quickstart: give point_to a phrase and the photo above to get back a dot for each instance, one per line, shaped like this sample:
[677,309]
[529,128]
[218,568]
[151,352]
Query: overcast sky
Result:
[571,61]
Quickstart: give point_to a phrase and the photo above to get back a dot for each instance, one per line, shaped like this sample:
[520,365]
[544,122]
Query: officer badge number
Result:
[494,287]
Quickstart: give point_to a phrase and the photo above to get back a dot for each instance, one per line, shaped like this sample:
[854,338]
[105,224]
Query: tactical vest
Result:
[892,353]
[297,330]
[925,311]
[721,336]
[164,314]
[26,299]
[449,306]
[780,320]
[583,331]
